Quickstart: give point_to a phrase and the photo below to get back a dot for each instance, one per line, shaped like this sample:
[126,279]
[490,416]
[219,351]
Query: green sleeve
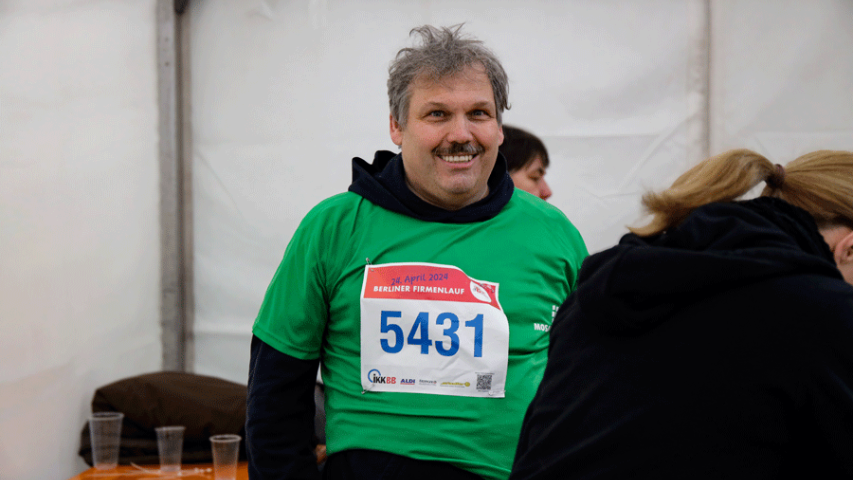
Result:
[578,247]
[294,312]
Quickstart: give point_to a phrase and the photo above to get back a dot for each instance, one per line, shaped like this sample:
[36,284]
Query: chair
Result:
[204,405]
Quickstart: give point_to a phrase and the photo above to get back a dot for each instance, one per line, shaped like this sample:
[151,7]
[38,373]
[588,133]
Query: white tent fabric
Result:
[79,220]
[782,78]
[626,95]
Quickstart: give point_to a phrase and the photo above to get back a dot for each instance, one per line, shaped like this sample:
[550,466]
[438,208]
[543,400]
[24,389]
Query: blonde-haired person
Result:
[714,342]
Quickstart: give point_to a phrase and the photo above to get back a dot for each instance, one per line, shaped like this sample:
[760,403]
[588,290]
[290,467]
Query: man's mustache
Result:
[460,149]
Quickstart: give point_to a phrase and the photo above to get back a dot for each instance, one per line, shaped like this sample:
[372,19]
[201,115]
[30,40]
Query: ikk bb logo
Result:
[374,376]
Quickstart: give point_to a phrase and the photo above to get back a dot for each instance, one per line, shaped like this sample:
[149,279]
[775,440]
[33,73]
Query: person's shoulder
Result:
[329,213]
[816,291]
[536,211]
[816,313]
[543,219]
[340,203]
[818,300]
[533,204]
[340,200]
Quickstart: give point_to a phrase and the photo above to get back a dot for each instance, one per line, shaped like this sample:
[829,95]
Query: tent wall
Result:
[79,220]
[782,76]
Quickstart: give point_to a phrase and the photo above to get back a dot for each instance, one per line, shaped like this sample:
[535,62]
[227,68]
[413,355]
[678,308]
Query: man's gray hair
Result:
[443,52]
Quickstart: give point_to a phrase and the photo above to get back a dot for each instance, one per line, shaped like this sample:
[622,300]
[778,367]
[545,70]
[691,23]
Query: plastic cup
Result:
[226,449]
[105,436]
[170,445]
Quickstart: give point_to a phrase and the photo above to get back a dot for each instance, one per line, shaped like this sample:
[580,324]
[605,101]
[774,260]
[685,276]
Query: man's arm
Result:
[280,415]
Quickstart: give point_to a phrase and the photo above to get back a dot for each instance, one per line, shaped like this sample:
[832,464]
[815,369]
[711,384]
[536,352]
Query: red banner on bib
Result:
[427,282]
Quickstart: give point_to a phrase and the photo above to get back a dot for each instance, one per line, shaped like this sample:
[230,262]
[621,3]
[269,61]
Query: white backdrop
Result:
[782,76]
[284,94]
[79,221]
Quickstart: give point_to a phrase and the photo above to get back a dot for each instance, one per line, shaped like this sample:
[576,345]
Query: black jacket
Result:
[720,349]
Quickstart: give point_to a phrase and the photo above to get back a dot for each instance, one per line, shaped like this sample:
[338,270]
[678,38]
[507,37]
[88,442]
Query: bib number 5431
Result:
[419,333]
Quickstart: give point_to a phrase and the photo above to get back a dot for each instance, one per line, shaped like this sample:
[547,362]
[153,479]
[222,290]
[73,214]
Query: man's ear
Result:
[396,132]
[843,251]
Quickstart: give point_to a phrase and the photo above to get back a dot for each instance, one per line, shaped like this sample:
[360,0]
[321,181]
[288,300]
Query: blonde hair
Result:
[820,183]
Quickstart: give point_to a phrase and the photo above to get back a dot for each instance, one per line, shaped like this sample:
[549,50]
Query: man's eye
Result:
[436,114]
[479,113]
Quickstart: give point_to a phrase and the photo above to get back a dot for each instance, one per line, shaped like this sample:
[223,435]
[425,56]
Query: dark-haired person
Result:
[526,160]
[427,304]
[714,342]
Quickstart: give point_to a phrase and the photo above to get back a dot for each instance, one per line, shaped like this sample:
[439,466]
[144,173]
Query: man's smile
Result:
[456,158]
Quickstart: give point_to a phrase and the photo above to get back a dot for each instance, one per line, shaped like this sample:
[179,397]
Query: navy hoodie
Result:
[722,348]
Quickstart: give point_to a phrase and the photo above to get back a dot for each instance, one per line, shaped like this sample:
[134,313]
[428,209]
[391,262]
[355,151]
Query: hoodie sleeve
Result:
[280,415]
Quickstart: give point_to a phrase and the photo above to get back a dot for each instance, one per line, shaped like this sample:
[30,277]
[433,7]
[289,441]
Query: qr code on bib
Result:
[484,382]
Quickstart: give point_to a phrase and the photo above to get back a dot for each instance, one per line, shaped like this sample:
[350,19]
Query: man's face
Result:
[450,142]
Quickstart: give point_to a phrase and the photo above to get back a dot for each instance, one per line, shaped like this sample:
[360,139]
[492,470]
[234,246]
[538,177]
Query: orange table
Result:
[191,471]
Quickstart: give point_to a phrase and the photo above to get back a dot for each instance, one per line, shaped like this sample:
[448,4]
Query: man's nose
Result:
[545,190]
[460,130]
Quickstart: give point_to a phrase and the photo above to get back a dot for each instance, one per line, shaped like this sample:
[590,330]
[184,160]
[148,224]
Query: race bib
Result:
[429,328]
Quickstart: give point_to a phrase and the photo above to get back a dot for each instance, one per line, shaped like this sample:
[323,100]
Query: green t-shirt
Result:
[312,310]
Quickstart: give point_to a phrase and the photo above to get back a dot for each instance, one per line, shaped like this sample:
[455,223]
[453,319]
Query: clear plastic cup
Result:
[226,450]
[170,445]
[105,436]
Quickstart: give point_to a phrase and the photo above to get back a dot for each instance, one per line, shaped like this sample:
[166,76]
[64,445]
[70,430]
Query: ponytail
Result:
[721,178]
[820,183]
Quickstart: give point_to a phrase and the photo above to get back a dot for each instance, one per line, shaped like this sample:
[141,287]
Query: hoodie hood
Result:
[639,283]
[384,183]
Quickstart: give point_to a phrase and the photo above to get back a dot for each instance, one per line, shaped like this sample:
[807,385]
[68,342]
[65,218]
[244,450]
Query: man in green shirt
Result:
[427,290]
